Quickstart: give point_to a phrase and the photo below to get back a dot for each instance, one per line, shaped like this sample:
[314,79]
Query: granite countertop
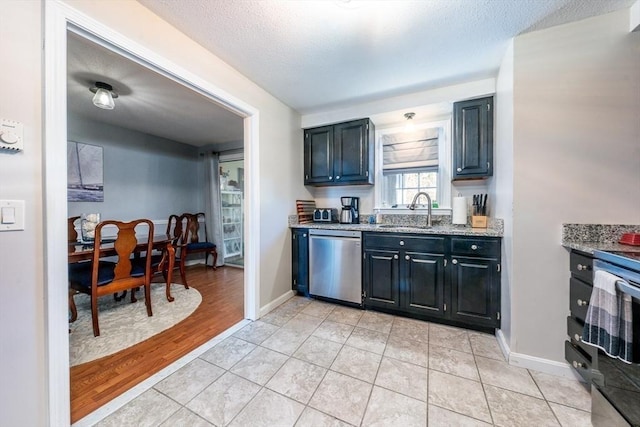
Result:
[439,229]
[597,237]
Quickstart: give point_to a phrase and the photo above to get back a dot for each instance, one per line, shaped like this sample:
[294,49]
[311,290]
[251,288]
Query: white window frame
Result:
[444,167]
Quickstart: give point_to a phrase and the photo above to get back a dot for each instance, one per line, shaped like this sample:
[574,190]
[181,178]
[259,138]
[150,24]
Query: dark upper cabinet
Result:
[339,154]
[473,138]
[300,260]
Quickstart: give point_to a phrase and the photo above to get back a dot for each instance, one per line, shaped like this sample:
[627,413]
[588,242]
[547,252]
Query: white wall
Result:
[501,185]
[144,176]
[22,340]
[576,154]
[23,393]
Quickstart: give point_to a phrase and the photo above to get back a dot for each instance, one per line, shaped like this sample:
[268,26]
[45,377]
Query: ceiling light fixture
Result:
[104,96]
[408,126]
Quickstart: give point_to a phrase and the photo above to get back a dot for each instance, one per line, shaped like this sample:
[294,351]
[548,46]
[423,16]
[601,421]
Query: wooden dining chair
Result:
[99,277]
[195,240]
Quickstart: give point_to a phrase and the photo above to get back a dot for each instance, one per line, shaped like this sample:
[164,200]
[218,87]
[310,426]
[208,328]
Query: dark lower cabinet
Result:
[581,356]
[474,296]
[421,275]
[404,273]
[382,277]
[300,260]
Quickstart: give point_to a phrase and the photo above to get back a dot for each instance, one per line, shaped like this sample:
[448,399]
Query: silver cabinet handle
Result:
[459,169]
[337,176]
[454,261]
[407,257]
[577,364]
[577,337]
[474,247]
[401,242]
[582,302]
[395,257]
[583,267]
[330,177]
[304,234]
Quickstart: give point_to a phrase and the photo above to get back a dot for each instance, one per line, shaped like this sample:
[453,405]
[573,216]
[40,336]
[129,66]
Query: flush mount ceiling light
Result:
[408,126]
[104,96]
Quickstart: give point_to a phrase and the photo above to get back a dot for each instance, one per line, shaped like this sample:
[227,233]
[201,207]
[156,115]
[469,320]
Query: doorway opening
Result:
[59,20]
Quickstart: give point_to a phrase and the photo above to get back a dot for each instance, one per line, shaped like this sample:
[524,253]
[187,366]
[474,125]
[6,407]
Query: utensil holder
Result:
[479,221]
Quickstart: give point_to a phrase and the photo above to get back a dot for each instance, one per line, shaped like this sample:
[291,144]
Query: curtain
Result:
[212,204]
[410,150]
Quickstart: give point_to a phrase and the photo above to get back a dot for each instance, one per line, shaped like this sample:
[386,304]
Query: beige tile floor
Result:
[309,363]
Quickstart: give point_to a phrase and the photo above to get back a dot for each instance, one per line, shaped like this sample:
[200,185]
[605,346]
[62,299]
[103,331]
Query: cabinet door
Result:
[318,155]
[351,152]
[422,287]
[475,295]
[381,278]
[300,261]
[473,138]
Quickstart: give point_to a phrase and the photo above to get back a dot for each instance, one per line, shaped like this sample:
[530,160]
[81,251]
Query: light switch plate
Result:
[11,212]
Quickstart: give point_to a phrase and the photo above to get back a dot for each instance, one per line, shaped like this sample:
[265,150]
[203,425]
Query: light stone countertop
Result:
[442,229]
[598,237]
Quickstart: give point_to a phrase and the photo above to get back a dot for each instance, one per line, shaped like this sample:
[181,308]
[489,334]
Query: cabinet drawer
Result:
[581,266]
[579,296]
[574,330]
[489,248]
[578,360]
[404,242]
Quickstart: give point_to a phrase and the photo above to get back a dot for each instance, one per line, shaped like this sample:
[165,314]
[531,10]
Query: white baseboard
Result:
[559,369]
[273,304]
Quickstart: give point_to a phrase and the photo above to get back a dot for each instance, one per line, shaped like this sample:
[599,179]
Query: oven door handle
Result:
[626,276]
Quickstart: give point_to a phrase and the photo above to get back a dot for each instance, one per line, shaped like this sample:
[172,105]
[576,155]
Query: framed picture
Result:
[85,178]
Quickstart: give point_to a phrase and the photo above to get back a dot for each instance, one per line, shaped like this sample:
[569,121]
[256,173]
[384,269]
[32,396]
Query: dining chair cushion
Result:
[80,273]
[200,246]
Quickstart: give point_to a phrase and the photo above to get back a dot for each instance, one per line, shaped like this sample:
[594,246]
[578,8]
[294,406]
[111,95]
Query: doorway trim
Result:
[59,18]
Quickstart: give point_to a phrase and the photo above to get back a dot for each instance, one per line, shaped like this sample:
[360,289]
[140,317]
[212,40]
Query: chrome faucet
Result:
[412,206]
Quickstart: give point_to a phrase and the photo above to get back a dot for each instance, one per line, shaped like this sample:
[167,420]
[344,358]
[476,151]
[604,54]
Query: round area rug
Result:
[123,324]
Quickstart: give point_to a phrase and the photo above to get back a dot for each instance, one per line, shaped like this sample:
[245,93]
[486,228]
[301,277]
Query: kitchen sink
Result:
[404,227]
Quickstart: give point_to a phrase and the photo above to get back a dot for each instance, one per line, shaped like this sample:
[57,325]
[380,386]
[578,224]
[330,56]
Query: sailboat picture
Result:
[85,181]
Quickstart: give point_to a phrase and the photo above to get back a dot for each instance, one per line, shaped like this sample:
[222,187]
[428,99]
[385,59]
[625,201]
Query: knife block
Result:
[478,221]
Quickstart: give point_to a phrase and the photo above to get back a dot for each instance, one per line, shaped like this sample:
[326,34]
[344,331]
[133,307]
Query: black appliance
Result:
[616,401]
[325,215]
[350,210]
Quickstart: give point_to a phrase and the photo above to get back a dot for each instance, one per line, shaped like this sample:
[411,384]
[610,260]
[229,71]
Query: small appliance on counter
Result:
[350,210]
[325,215]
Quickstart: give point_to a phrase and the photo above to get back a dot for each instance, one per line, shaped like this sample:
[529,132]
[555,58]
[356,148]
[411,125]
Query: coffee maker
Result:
[350,210]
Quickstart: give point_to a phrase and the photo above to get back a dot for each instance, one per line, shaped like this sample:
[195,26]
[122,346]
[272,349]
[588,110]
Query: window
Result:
[411,162]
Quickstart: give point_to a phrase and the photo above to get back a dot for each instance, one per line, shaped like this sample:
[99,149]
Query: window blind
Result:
[417,149]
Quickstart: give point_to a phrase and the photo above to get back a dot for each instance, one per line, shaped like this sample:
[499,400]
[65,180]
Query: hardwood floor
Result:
[95,383]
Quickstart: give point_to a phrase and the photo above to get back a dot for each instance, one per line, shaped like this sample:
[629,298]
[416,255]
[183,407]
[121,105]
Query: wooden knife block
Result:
[479,221]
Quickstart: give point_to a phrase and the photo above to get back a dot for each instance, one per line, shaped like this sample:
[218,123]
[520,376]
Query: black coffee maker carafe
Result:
[350,210]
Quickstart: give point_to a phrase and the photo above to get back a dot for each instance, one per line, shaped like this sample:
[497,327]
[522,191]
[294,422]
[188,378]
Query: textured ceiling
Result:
[318,54]
[148,102]
[313,55]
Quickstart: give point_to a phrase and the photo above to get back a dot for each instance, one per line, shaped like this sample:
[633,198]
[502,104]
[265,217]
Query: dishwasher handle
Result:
[348,239]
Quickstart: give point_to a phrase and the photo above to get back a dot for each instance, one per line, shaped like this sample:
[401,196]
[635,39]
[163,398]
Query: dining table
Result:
[82,251]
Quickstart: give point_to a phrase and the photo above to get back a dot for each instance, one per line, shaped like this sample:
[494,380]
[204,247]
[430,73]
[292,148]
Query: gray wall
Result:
[144,176]
[576,159]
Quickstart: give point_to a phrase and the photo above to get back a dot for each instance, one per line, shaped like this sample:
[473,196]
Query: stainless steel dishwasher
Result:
[335,265]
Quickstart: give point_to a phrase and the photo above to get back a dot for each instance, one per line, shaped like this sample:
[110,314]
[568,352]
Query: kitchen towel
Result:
[608,321]
[459,215]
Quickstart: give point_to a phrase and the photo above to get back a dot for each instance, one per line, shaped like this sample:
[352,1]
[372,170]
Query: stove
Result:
[617,401]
